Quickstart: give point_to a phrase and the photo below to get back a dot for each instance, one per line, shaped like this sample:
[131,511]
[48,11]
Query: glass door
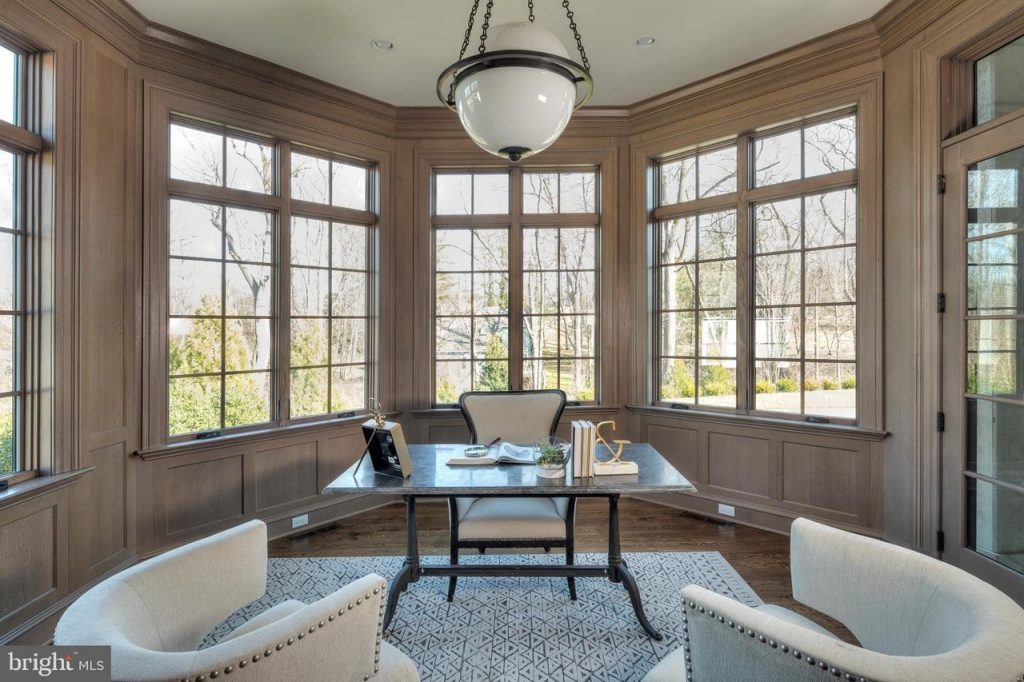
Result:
[983,355]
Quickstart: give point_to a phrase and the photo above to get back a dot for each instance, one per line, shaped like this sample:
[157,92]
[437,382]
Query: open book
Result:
[502,453]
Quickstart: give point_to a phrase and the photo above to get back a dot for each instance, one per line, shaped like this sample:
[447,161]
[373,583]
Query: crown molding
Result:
[851,46]
[901,20]
[168,51]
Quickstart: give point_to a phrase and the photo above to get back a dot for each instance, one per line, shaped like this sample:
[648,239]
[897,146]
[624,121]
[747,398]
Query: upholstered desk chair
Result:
[154,615]
[518,417]
[916,618]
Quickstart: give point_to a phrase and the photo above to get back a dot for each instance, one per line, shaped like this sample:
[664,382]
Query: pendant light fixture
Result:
[517,94]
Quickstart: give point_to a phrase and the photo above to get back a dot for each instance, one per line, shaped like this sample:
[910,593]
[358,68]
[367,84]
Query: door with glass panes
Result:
[983,353]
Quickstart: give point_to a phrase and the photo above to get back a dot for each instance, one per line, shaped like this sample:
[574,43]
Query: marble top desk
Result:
[432,477]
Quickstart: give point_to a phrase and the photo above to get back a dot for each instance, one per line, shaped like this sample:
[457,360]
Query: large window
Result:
[331,289]
[18,150]
[229,322]
[538,242]
[756,273]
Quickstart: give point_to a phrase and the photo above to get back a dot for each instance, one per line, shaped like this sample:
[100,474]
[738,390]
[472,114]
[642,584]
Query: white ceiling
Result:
[330,39]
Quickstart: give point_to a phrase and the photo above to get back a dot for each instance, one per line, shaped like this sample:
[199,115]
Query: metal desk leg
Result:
[410,571]
[619,572]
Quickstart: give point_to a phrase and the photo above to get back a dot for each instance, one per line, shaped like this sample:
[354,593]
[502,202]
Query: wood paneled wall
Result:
[104,506]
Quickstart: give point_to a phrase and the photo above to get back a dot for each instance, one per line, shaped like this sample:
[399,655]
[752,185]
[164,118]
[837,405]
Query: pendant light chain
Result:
[576,34]
[469,29]
[530,5]
[486,25]
[465,46]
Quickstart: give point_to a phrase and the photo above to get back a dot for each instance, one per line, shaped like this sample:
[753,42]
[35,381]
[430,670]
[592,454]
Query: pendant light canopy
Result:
[517,94]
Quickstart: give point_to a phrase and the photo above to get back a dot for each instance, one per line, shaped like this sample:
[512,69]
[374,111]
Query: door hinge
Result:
[940,421]
[942,184]
[940,303]
[940,541]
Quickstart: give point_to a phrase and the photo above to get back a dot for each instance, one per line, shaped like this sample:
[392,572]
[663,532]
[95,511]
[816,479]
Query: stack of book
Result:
[584,442]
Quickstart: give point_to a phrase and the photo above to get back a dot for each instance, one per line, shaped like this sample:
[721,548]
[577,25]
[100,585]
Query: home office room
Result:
[511,340]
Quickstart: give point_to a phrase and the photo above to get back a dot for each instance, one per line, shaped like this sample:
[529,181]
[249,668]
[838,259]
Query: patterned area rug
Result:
[519,628]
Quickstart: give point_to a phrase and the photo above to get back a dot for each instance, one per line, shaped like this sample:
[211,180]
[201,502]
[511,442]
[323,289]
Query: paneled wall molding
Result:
[918,118]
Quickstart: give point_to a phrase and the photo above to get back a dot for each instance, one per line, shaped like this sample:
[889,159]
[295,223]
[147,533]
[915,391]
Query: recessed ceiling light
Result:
[645,41]
[382,45]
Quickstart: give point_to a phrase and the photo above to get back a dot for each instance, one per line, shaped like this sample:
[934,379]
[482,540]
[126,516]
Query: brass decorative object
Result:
[615,466]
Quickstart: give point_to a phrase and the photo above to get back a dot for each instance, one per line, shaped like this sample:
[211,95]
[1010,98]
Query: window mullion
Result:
[515,285]
[744,280]
[281,384]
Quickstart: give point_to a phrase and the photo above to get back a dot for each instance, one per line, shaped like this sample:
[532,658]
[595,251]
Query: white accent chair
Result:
[917,618]
[154,615]
[519,417]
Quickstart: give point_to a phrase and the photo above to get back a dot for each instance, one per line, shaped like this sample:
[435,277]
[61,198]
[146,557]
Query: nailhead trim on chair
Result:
[381,590]
[836,672]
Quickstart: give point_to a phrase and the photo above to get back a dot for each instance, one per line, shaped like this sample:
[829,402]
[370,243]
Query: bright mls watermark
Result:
[55,663]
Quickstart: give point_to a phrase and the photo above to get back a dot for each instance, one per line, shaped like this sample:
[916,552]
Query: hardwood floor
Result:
[762,558]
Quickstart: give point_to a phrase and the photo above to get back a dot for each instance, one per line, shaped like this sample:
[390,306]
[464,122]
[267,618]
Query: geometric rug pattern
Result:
[511,629]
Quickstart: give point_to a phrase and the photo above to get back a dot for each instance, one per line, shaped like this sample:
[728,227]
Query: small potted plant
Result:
[551,454]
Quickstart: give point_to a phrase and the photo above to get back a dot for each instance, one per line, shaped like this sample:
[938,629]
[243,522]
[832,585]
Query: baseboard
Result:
[38,630]
[755,516]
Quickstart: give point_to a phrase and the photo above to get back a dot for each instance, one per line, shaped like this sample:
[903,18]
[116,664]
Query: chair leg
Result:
[453,540]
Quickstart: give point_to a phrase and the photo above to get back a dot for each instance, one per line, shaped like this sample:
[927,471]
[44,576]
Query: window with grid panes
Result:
[542,243]
[799,320]
[225,324]
[17,151]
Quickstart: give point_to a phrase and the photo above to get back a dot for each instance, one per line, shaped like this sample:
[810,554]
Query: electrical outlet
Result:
[300,521]
[726,510]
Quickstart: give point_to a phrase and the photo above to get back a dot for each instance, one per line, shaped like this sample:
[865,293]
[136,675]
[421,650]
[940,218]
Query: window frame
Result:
[23,140]
[516,221]
[861,95]
[168,107]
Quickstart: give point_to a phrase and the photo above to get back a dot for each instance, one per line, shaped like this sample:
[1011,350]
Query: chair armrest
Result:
[727,640]
[335,639]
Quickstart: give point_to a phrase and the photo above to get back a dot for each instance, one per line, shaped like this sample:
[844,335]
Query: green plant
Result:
[812,385]
[551,455]
[764,386]
[829,384]
[677,383]
[718,388]
[849,382]
[785,385]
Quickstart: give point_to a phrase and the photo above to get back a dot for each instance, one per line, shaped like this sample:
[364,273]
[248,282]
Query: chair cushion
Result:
[274,613]
[672,668]
[395,666]
[794,618]
[511,518]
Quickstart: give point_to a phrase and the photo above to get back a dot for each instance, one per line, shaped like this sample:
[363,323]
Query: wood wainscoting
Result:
[771,471]
[195,489]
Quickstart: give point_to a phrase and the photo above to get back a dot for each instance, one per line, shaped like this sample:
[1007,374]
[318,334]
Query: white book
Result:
[577,448]
[502,453]
[589,440]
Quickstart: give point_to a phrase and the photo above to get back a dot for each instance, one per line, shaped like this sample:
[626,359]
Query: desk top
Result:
[433,477]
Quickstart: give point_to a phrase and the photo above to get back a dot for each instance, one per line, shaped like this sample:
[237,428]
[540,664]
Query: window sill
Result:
[854,432]
[202,444]
[39,485]
[450,412]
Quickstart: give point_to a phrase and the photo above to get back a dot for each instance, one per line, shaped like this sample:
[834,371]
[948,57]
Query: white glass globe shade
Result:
[516,107]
